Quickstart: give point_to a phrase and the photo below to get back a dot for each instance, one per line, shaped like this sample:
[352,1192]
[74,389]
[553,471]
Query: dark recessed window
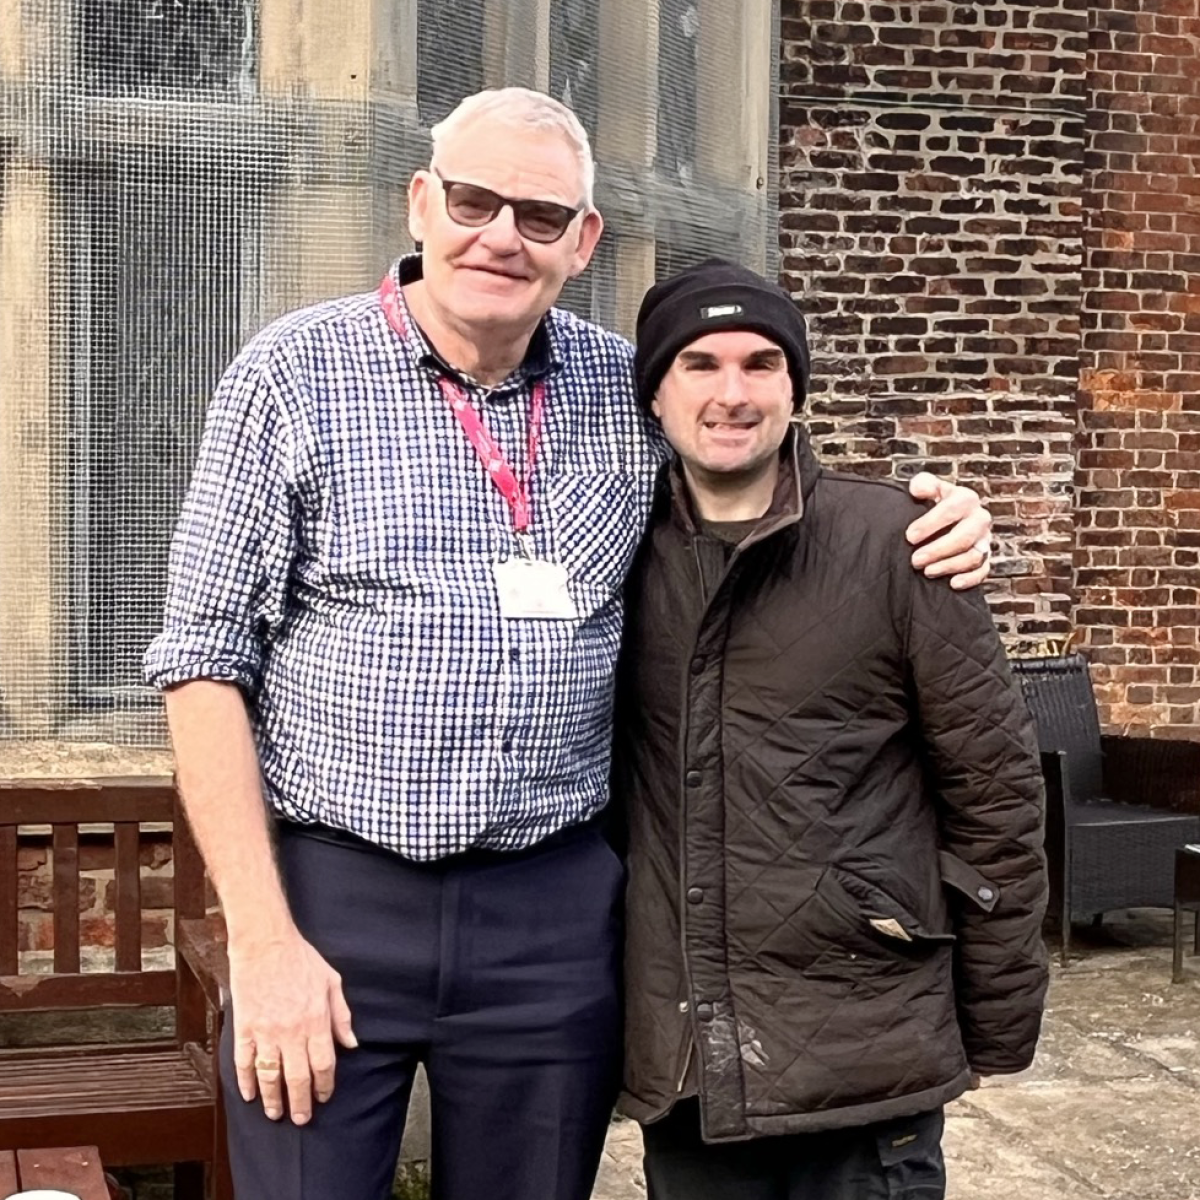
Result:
[138,46]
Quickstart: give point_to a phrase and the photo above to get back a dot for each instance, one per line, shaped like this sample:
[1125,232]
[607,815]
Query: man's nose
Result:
[732,391]
[500,233]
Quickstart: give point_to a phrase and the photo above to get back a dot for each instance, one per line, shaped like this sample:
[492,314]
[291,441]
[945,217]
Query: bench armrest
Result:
[203,944]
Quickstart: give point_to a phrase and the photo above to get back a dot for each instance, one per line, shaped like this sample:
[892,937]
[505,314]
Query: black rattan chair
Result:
[1117,807]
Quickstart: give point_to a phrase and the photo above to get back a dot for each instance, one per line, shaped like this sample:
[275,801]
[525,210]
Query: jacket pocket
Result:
[886,920]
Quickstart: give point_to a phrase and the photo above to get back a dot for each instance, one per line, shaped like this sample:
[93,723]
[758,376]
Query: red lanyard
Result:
[490,454]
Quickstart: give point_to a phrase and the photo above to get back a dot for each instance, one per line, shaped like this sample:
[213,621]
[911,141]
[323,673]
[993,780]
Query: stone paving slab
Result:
[1110,1109]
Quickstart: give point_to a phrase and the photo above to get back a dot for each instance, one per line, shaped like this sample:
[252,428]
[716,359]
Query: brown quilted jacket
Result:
[834,806]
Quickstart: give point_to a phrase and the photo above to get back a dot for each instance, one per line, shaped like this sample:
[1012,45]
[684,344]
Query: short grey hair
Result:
[523,108]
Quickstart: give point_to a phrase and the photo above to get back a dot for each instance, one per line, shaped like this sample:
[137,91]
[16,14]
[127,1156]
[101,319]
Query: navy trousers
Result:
[892,1160]
[499,972]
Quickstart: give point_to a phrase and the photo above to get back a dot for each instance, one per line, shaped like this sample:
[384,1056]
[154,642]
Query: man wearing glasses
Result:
[391,629]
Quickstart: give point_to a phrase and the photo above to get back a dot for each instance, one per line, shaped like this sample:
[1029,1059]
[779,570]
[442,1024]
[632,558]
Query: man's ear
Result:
[655,407]
[418,205]
[591,227]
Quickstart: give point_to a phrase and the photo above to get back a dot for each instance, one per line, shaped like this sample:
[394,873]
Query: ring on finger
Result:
[266,1064]
[983,546]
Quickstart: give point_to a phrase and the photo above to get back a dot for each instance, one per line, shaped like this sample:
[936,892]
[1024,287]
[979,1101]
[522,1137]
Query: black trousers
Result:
[893,1160]
[498,972]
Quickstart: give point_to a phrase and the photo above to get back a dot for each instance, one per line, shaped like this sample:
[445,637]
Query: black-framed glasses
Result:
[538,220]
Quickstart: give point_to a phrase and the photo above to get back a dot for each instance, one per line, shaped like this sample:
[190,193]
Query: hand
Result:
[288,1008]
[965,552]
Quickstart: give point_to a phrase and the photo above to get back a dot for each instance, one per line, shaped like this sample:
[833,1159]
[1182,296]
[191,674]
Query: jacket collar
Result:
[797,476]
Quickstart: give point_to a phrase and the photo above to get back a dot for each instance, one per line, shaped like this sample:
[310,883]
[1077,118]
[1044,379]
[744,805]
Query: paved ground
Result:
[1109,1111]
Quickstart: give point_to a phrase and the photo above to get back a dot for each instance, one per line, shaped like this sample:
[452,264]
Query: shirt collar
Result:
[543,357]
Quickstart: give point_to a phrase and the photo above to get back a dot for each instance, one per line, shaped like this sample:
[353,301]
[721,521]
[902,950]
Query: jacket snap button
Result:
[704,1011]
[697,665]
[683,1006]
[693,779]
[985,893]
[695,895]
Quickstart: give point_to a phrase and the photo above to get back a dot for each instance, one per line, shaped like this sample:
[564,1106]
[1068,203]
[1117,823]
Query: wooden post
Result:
[626,134]
[516,44]
[332,62]
[733,126]
[33,505]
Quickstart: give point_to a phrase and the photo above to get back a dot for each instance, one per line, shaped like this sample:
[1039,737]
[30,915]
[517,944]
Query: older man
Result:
[388,657]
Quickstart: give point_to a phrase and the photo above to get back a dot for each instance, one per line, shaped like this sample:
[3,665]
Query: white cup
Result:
[43,1194]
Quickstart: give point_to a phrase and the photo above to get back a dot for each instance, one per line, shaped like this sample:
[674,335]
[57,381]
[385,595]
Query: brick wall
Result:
[97,901]
[992,212]
[1138,558]
[931,162]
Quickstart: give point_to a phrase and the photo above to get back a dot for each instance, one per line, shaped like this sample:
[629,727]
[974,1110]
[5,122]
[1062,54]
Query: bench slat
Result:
[129,897]
[66,898]
[8,1173]
[33,993]
[8,902]
[72,802]
[112,1082]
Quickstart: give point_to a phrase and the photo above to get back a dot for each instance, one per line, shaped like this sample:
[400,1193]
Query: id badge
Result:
[531,588]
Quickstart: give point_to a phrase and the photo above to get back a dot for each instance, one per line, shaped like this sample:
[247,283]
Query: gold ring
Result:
[266,1064]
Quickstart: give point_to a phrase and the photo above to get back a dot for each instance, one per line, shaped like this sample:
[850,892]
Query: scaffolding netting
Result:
[176,173]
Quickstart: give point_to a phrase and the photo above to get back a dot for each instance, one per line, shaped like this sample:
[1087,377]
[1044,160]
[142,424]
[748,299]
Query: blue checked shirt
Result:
[334,558]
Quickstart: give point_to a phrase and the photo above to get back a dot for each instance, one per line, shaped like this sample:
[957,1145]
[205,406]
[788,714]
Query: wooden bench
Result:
[72,1169]
[143,1102]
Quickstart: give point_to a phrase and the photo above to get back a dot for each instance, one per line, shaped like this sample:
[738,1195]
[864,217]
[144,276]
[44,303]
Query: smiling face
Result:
[725,405]
[489,278]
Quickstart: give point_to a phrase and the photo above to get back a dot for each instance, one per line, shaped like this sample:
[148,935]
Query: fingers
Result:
[243,1062]
[297,1074]
[926,486]
[969,579]
[965,570]
[287,1079]
[322,1060]
[969,534]
[268,1073]
[339,1012]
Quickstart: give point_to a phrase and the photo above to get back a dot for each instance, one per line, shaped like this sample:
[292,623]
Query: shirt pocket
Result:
[595,523]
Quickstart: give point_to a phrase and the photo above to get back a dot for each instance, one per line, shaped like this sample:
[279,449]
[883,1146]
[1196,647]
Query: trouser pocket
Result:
[910,1155]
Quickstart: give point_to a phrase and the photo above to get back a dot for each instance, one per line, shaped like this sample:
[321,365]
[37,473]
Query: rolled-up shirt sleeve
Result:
[235,540]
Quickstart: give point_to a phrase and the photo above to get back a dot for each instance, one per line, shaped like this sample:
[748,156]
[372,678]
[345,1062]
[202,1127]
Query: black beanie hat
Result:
[714,297]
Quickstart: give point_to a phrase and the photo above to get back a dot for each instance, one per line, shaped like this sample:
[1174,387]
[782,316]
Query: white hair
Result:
[523,108]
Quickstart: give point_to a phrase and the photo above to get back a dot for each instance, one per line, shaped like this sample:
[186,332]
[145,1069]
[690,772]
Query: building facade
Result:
[989,211]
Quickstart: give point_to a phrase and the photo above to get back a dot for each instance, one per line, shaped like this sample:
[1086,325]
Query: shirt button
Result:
[506,745]
[985,893]
[697,665]
[693,779]
[704,1011]
[514,655]
[683,1006]
[695,895]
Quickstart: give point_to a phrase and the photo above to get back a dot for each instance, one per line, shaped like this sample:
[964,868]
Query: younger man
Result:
[836,880]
